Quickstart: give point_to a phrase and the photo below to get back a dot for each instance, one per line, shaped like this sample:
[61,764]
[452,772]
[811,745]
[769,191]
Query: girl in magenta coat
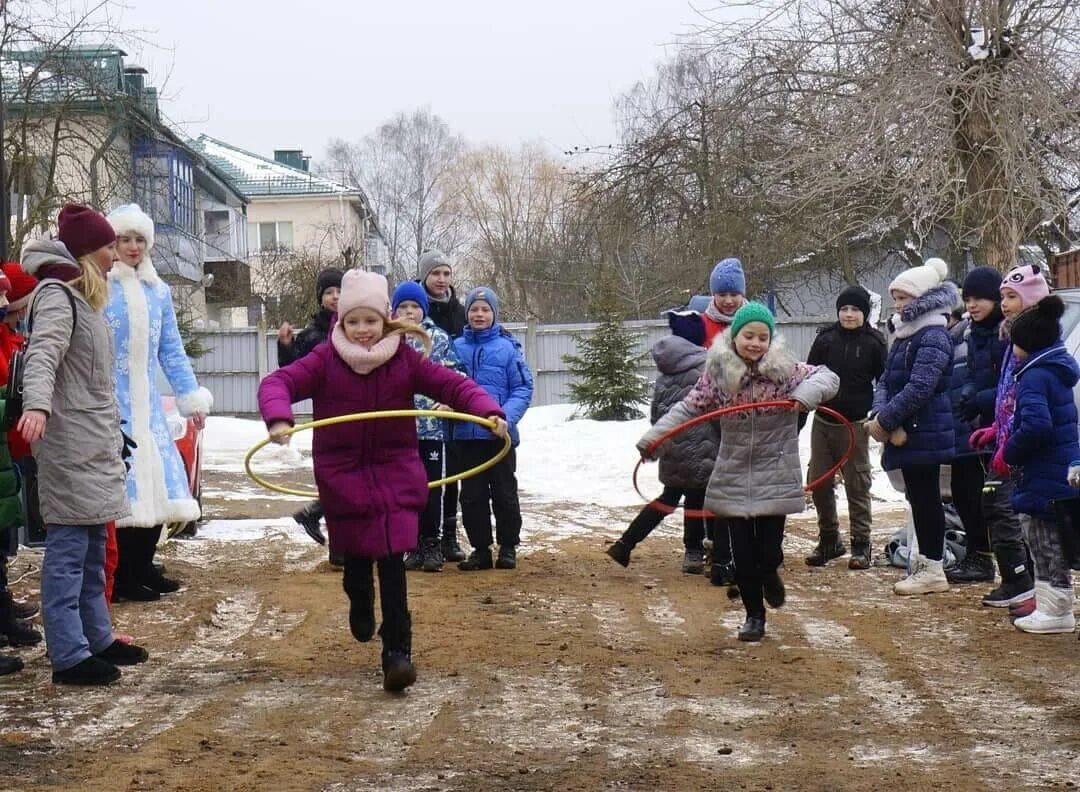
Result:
[371,480]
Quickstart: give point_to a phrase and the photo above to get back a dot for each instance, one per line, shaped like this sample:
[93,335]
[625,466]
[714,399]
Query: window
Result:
[164,184]
[270,236]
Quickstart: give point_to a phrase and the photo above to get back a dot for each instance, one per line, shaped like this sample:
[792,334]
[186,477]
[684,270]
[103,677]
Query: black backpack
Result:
[13,391]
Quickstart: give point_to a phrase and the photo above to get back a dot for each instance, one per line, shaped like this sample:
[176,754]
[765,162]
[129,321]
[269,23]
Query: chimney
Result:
[134,81]
[294,158]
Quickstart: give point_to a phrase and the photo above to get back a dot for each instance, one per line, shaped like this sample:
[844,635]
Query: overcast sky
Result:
[267,74]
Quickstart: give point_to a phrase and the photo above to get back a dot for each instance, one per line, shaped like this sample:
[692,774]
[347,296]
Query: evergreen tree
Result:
[607,383]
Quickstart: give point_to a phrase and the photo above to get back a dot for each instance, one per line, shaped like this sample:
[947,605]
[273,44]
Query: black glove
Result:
[968,407]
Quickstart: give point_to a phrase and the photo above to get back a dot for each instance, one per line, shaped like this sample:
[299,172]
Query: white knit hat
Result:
[362,289]
[919,280]
[128,218]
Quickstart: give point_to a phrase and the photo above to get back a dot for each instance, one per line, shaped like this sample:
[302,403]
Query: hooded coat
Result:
[372,484]
[757,470]
[913,393]
[147,339]
[68,375]
[688,462]
[1043,441]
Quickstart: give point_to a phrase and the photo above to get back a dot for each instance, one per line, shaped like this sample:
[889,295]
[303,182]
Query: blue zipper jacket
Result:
[493,359]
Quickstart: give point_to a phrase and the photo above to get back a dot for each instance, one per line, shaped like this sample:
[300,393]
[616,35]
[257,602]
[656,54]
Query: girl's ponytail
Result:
[401,327]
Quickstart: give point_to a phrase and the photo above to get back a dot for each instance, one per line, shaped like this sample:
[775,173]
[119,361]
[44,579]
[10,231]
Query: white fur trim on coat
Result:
[145,272]
[199,401]
[130,217]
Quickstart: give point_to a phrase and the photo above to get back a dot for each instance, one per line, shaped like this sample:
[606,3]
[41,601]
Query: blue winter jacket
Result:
[494,360]
[914,390]
[1044,431]
[985,352]
[444,353]
[963,425]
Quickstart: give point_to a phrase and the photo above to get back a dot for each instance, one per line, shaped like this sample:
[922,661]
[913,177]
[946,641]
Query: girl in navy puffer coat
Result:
[912,413]
[1042,444]
[494,360]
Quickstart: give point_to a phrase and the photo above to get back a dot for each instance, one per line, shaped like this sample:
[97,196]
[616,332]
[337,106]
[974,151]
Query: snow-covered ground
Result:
[561,460]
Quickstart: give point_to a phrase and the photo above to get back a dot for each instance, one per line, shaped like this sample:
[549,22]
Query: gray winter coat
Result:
[688,462]
[757,470]
[69,377]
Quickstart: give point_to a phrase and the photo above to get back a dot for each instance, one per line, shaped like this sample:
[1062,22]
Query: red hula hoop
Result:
[827,476]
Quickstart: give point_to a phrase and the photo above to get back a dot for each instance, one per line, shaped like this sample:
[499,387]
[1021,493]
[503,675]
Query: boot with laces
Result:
[928,578]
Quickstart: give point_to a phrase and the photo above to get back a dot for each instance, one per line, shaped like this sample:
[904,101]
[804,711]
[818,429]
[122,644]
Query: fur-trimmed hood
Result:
[729,371]
[927,310]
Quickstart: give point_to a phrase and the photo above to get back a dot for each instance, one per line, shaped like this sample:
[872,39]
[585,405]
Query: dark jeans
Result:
[451,491]
[923,490]
[649,517]
[757,549]
[396,629]
[493,491]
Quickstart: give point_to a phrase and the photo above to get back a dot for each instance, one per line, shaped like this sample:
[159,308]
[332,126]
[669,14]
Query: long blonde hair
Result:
[400,326]
[92,284]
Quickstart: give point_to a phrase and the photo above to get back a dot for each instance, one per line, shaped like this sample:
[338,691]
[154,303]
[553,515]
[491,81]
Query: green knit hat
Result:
[753,312]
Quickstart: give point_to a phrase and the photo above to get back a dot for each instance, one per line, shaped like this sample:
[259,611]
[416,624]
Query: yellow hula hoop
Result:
[368,416]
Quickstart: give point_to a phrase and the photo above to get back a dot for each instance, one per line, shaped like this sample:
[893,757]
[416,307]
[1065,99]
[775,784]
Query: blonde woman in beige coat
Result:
[70,419]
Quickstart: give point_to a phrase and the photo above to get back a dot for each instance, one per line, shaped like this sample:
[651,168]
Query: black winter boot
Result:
[753,629]
[722,574]
[122,654]
[828,547]
[360,588]
[150,574]
[9,665]
[773,589]
[431,558]
[91,671]
[975,568]
[860,556]
[412,560]
[398,669]
[18,633]
[478,559]
[25,610]
[451,550]
[507,558]
[309,518]
[619,552]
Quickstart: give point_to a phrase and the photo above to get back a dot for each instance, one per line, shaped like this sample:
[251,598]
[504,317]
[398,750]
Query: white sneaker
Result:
[929,578]
[1044,624]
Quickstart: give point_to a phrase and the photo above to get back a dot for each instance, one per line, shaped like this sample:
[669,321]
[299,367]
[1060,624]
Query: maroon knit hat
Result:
[84,230]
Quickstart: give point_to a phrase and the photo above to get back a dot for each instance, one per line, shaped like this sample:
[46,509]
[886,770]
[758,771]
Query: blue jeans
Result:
[73,606]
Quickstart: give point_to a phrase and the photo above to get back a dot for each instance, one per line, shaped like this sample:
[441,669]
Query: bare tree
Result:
[68,124]
[404,166]
[961,114]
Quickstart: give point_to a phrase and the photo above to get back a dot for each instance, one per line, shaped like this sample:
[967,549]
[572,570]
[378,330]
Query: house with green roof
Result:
[81,125]
[292,211]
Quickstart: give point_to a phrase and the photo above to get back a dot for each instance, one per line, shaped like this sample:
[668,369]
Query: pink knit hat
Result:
[362,289]
[1028,282]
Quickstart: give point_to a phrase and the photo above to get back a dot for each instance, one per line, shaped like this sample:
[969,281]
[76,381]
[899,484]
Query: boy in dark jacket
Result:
[855,352]
[685,470]
[493,359]
[973,388]
[292,347]
[1042,445]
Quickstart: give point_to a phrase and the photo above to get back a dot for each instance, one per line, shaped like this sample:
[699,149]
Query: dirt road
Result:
[567,674]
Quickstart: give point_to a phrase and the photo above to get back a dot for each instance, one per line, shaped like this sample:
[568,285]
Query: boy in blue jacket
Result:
[493,359]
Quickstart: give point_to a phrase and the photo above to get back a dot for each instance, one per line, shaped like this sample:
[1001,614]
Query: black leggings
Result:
[923,491]
[757,548]
[396,630]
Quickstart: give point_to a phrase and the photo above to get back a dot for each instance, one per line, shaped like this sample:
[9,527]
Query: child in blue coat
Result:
[1042,444]
[410,304]
[494,360]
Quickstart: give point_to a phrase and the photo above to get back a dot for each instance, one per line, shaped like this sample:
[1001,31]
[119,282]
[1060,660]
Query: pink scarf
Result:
[362,359]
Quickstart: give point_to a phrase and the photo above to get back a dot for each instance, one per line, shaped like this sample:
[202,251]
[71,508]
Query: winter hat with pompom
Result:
[362,289]
[1039,326]
[1027,281]
[919,280]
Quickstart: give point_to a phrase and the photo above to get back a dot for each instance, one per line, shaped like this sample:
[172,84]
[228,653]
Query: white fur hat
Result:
[919,280]
[130,217]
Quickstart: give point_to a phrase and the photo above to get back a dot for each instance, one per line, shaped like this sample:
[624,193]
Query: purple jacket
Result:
[370,478]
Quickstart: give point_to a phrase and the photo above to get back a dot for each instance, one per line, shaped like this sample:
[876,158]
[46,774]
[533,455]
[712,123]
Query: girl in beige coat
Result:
[70,419]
